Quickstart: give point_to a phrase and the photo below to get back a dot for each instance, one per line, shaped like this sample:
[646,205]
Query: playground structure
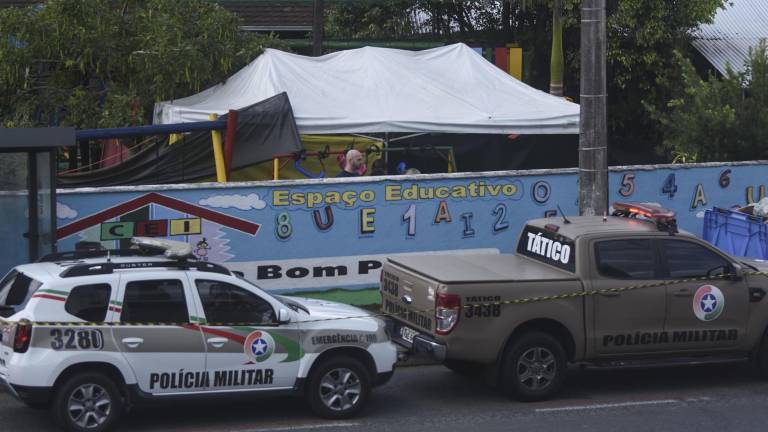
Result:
[310,162]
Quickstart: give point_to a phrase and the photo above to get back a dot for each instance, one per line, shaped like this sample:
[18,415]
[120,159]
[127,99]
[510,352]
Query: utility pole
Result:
[317,28]
[593,134]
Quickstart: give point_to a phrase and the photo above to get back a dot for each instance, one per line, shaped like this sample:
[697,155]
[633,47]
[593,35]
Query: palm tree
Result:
[557,63]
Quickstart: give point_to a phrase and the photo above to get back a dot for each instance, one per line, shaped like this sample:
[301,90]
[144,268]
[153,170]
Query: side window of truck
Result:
[686,259]
[625,259]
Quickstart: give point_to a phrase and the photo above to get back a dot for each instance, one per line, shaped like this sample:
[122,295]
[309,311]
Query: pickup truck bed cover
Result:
[480,268]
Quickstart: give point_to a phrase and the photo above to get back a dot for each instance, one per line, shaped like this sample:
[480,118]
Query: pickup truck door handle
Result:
[133,342]
[683,292]
[217,342]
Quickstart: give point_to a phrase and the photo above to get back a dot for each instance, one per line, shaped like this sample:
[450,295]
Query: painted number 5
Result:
[627,185]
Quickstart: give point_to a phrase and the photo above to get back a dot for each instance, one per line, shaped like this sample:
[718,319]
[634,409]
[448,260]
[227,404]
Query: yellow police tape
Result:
[525,300]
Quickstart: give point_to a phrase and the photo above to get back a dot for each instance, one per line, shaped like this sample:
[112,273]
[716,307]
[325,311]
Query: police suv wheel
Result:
[87,402]
[534,367]
[338,387]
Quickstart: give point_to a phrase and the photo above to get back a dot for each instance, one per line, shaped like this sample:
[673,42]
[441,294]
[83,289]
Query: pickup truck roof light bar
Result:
[664,218]
[109,267]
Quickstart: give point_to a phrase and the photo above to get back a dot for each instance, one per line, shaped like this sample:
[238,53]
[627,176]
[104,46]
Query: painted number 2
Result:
[500,211]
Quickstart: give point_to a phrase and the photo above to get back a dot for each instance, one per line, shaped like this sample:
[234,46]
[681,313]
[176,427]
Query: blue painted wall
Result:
[375,217]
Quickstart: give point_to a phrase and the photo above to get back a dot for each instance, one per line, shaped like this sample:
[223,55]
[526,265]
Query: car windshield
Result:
[282,299]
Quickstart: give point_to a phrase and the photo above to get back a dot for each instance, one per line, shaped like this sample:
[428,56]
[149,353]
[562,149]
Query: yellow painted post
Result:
[275,168]
[516,62]
[172,138]
[218,152]
[450,161]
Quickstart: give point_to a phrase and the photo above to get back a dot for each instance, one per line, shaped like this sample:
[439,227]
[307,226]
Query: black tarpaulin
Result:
[264,129]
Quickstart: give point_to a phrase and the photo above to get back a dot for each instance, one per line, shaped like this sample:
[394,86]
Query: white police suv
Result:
[90,333]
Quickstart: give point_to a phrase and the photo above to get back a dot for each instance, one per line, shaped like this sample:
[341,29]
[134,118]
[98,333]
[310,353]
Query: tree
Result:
[720,119]
[643,70]
[104,63]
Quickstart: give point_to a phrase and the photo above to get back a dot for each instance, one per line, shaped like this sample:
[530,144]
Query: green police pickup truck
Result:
[619,291]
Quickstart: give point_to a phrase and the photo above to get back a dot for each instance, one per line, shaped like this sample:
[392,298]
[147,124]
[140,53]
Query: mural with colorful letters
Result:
[335,233]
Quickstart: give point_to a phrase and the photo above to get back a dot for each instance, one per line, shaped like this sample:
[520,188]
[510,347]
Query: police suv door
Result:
[166,354]
[247,348]
[703,315]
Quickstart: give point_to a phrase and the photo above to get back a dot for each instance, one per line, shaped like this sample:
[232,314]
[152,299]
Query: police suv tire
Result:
[533,367]
[76,388]
[351,390]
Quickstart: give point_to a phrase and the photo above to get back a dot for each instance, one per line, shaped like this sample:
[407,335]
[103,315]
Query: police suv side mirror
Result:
[283,316]
[736,273]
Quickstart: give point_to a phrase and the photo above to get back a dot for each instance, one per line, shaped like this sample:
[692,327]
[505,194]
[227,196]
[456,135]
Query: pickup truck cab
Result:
[596,291]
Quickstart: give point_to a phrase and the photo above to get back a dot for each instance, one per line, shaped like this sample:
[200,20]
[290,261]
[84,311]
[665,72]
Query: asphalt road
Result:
[700,399]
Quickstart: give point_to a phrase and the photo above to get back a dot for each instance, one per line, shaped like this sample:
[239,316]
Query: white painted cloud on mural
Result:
[241,202]
[700,214]
[64,211]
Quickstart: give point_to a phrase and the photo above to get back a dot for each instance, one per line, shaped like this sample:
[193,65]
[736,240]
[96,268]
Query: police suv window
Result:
[89,302]
[154,301]
[625,259]
[15,291]
[547,247]
[226,303]
[686,259]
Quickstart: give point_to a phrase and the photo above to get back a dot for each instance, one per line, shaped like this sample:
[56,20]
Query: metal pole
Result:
[317,28]
[593,140]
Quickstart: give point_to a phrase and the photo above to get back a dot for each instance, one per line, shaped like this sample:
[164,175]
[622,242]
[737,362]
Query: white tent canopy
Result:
[449,89]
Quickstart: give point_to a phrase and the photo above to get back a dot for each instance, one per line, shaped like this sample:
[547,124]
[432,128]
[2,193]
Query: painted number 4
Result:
[669,187]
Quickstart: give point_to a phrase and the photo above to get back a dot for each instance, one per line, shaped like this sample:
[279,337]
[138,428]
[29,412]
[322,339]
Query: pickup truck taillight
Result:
[23,336]
[447,312]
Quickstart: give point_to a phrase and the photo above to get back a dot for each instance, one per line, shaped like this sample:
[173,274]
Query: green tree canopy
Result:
[103,63]
[720,119]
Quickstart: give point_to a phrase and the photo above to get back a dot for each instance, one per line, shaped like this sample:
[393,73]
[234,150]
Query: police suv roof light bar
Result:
[171,248]
[664,218]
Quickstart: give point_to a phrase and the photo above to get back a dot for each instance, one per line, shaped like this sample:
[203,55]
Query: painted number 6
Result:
[725,179]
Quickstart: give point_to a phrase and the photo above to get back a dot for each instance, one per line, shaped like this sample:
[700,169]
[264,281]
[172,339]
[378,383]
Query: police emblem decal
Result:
[708,303]
[259,346]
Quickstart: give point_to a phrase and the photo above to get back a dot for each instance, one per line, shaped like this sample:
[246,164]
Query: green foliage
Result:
[720,119]
[643,70]
[359,19]
[103,63]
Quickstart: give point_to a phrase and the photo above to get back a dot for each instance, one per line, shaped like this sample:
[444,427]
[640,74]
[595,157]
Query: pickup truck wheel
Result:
[338,387]
[87,402]
[534,367]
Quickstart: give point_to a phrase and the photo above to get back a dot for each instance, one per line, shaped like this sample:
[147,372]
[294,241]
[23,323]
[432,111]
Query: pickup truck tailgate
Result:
[409,297]
[409,283]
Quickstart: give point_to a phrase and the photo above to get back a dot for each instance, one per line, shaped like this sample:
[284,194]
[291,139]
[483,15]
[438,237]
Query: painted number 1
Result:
[410,217]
